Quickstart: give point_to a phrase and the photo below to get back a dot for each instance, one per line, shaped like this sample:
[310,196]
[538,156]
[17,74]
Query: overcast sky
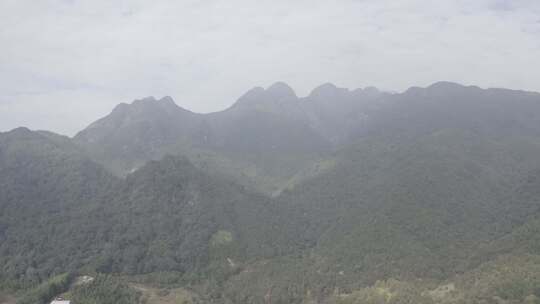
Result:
[65,63]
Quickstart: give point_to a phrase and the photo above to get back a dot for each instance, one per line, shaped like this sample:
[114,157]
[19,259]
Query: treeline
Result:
[104,290]
[46,291]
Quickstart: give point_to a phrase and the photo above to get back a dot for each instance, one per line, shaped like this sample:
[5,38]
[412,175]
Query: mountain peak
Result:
[326,90]
[152,100]
[372,90]
[252,93]
[276,92]
[446,85]
[167,99]
[147,99]
[281,90]
[23,133]
[143,105]
[150,103]
[438,88]
[443,88]
[20,130]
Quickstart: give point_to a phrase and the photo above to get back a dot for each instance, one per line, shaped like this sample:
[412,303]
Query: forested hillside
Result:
[62,212]
[362,196]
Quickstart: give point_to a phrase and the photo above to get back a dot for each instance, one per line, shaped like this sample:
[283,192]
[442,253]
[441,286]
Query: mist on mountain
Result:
[341,196]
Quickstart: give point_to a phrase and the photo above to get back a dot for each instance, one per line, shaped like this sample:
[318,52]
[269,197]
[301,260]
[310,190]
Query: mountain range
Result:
[343,196]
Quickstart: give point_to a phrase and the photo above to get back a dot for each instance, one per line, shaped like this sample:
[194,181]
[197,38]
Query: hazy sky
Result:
[65,63]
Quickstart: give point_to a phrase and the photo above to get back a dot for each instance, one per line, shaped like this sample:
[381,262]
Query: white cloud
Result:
[77,59]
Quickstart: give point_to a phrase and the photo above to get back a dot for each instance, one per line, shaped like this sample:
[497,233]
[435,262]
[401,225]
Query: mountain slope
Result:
[61,212]
[132,134]
[170,216]
[428,196]
[263,140]
[423,185]
[46,186]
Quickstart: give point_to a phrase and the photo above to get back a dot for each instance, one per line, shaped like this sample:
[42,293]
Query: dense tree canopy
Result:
[367,197]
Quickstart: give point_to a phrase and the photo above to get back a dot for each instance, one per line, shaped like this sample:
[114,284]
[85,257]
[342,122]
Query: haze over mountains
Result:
[342,196]
[267,136]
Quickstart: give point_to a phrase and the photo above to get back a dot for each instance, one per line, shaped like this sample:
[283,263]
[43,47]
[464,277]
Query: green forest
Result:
[427,196]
